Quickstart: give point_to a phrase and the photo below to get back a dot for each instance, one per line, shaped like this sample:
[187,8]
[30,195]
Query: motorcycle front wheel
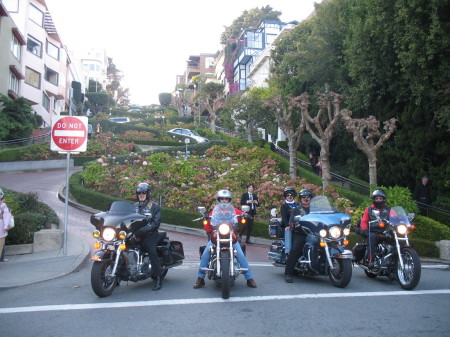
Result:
[409,275]
[102,282]
[341,275]
[225,274]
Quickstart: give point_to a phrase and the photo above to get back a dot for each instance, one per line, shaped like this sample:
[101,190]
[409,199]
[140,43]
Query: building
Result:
[46,70]
[197,65]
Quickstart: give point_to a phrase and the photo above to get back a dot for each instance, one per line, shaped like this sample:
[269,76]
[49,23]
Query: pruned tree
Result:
[368,137]
[289,118]
[212,98]
[322,125]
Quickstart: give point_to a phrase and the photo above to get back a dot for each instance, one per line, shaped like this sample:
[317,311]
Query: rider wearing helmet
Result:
[298,236]
[286,209]
[378,204]
[149,232]
[223,210]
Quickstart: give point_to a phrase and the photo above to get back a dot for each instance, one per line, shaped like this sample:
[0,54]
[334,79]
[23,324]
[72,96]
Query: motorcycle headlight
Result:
[224,229]
[323,233]
[401,229]
[346,231]
[109,234]
[335,232]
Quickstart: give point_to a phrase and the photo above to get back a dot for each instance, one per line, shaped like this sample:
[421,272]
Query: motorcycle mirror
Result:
[411,216]
[245,208]
[273,212]
[201,209]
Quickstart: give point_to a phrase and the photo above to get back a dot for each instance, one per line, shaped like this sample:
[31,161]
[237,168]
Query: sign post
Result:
[69,134]
[187,141]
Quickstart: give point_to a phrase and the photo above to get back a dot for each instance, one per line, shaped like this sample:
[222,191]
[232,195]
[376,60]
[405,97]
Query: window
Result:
[36,15]
[15,47]
[14,83]
[92,67]
[32,77]
[52,50]
[12,6]
[46,102]
[34,46]
[51,76]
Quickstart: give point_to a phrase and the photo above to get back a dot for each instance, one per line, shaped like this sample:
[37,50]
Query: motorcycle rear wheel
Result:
[225,274]
[101,281]
[342,274]
[409,276]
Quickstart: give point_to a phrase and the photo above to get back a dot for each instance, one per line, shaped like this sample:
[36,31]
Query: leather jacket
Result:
[153,213]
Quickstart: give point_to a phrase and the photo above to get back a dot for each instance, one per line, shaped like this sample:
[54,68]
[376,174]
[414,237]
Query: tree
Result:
[328,115]
[249,19]
[114,86]
[365,134]
[165,98]
[99,100]
[94,86]
[212,98]
[289,117]
[17,119]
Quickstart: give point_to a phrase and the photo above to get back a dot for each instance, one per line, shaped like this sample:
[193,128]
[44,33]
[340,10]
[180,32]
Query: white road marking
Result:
[90,306]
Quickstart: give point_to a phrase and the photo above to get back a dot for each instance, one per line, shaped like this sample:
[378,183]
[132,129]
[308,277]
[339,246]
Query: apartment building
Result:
[46,70]
[197,65]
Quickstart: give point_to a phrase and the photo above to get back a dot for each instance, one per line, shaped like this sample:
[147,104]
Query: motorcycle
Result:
[393,257]
[325,251]
[120,256]
[223,266]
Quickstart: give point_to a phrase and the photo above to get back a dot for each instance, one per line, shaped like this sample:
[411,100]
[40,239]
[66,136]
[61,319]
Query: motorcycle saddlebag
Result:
[359,251]
[275,230]
[176,248]
[276,252]
[166,255]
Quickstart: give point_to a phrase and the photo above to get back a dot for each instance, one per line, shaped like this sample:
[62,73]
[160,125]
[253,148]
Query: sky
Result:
[150,41]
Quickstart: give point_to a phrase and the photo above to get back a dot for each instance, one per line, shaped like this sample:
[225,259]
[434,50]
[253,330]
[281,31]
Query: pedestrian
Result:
[313,161]
[422,195]
[98,129]
[251,199]
[5,220]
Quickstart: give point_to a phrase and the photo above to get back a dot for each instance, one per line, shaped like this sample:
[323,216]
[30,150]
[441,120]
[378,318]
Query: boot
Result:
[200,283]
[158,284]
[288,278]
[251,283]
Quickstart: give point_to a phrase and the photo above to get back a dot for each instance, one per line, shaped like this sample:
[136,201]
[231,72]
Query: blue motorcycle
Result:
[325,251]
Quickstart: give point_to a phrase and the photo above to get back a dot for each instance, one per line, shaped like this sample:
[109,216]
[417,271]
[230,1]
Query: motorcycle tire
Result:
[342,274]
[163,274]
[101,281]
[409,276]
[225,273]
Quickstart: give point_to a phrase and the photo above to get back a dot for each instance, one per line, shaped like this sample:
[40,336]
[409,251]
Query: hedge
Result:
[429,229]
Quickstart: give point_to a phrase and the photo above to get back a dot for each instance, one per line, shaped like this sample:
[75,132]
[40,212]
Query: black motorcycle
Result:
[120,256]
[393,257]
[325,251]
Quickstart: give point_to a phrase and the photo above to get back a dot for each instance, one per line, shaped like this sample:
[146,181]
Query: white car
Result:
[189,133]
[119,120]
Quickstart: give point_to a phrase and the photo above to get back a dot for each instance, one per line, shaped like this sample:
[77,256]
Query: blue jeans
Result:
[239,255]
[287,241]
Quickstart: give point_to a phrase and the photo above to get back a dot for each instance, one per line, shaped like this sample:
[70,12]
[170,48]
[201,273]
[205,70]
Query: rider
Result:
[298,236]
[286,209]
[379,203]
[149,232]
[224,205]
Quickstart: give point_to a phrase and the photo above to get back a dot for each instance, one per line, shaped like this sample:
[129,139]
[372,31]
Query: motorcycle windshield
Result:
[119,212]
[323,215]
[121,207]
[222,213]
[399,216]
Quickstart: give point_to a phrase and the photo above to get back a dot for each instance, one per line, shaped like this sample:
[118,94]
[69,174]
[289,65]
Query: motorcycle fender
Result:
[101,255]
[340,252]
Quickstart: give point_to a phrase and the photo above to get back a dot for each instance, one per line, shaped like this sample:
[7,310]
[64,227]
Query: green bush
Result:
[429,229]
[425,248]
[26,224]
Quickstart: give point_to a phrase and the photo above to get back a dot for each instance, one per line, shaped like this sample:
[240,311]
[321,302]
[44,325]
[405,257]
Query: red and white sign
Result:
[69,133]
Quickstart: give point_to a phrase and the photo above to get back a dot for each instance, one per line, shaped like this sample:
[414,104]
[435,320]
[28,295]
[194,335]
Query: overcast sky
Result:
[150,41]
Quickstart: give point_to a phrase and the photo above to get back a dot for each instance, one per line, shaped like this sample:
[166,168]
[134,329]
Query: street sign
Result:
[69,133]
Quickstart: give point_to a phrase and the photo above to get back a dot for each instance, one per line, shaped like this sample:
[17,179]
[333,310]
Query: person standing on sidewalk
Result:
[5,219]
[251,199]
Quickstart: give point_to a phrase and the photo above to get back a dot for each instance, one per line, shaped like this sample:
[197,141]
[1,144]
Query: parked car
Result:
[119,119]
[189,133]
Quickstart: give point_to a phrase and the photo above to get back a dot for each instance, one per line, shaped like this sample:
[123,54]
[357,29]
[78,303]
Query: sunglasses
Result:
[289,195]
[305,197]
[142,193]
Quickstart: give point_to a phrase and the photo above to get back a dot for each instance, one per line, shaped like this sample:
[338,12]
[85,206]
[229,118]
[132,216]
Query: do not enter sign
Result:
[69,133]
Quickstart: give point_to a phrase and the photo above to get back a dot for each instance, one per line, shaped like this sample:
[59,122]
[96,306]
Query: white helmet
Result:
[1,194]
[224,194]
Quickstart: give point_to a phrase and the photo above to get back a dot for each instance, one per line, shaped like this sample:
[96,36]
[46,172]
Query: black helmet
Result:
[289,190]
[305,193]
[143,188]
[379,193]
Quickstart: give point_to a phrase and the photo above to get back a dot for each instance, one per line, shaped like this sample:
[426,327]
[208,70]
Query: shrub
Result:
[425,248]
[430,229]
[26,224]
